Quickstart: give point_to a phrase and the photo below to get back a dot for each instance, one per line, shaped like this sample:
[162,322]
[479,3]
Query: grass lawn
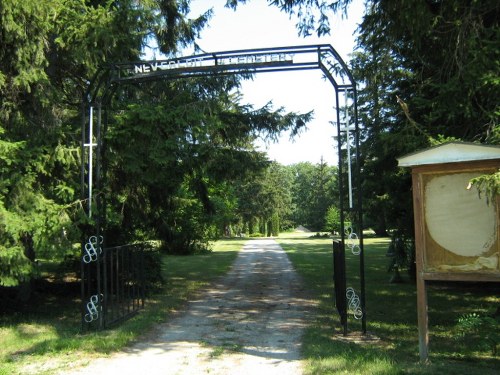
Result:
[43,336]
[391,316]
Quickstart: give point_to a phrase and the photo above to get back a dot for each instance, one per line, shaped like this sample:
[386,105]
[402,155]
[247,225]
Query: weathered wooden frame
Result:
[423,274]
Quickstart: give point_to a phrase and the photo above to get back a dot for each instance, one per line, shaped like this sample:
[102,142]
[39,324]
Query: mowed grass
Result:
[391,317]
[44,336]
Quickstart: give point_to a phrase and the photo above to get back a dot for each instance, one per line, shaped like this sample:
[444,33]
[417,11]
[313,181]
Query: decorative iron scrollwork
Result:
[93,308]
[354,303]
[352,241]
[93,249]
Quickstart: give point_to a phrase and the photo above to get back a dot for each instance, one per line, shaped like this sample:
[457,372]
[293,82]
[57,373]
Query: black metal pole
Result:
[99,245]
[341,201]
[142,280]
[359,210]
[82,197]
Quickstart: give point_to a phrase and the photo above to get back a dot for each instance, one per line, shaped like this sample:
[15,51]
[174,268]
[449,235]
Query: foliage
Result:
[190,142]
[51,54]
[313,15]
[49,51]
[427,76]
[284,197]
[488,185]
[401,252]
[313,191]
[332,220]
[479,330]
[153,277]
[265,199]
[274,225]
[172,29]
[255,235]
[35,214]
[428,71]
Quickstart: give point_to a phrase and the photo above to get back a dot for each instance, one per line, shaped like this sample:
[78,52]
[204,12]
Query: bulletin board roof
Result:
[452,152]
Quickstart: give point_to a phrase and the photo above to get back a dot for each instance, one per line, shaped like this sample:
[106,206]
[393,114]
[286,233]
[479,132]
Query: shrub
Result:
[153,278]
[401,252]
[479,330]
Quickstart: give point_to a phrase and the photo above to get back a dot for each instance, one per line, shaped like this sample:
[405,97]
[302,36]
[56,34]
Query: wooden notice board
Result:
[456,228]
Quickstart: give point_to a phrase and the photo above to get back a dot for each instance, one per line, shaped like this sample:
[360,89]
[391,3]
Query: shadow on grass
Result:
[391,315]
[49,322]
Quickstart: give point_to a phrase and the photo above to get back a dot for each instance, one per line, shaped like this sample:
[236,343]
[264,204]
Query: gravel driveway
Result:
[248,322]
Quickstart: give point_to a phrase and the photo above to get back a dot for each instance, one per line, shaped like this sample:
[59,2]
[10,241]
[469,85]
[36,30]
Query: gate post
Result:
[92,291]
[100,284]
[339,281]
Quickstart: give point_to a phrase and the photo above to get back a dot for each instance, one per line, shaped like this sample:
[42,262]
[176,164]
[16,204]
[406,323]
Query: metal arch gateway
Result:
[96,295]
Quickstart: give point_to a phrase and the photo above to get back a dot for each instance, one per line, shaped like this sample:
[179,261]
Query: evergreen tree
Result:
[192,135]
[49,52]
[427,70]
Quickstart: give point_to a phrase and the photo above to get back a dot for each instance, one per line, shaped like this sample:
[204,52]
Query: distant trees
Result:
[264,201]
[314,191]
[284,197]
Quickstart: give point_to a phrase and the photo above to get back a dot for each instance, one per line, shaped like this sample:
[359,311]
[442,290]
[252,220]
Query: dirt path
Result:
[249,322]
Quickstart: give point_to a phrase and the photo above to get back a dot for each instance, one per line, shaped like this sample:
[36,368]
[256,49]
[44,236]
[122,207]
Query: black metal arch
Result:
[308,57]
[248,61]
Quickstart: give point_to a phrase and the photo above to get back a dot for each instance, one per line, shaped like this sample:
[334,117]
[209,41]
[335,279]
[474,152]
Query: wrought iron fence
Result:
[113,284]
